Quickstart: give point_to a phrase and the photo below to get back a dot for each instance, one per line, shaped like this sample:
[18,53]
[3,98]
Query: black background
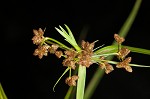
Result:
[24,76]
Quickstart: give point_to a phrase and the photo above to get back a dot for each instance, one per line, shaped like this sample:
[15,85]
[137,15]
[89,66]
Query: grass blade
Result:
[123,32]
[2,93]
[70,33]
[139,50]
[81,82]
[60,78]
[66,36]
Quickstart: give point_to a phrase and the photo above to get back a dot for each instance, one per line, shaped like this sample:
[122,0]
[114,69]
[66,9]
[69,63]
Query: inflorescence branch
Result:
[84,57]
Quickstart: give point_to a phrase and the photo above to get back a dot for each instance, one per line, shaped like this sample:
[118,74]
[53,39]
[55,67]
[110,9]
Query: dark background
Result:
[24,76]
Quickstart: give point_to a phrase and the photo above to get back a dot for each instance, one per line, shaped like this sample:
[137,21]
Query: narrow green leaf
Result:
[63,30]
[123,32]
[70,33]
[2,93]
[81,82]
[107,49]
[130,20]
[138,50]
[60,78]
[68,38]
[69,92]
[114,48]
[135,65]
[63,34]
[57,42]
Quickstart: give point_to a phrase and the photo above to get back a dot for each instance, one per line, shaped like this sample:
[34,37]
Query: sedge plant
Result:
[80,57]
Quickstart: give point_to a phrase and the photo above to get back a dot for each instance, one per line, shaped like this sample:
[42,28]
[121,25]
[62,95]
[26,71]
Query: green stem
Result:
[105,54]
[129,21]
[123,32]
[81,82]
[135,65]
[2,93]
[138,50]
[83,34]
[69,92]
[60,78]
[59,43]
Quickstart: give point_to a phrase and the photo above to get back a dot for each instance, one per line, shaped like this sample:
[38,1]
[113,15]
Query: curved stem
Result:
[59,43]
[60,78]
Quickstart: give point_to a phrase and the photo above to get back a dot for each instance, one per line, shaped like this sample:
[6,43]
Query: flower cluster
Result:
[71,81]
[122,53]
[84,57]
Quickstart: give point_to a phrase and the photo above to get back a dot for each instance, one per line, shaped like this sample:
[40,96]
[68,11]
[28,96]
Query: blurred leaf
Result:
[2,93]
[123,32]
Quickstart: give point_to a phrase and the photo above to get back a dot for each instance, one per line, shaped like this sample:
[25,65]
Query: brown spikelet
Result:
[118,39]
[38,36]
[53,48]
[41,51]
[59,54]
[123,52]
[71,81]
[70,63]
[125,64]
[108,68]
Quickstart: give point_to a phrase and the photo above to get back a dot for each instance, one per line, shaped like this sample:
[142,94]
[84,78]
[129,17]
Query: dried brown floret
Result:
[102,65]
[71,81]
[118,39]
[41,51]
[53,48]
[85,60]
[38,36]
[70,63]
[123,52]
[70,53]
[108,68]
[70,56]
[59,54]
[87,46]
[86,54]
[102,57]
[125,64]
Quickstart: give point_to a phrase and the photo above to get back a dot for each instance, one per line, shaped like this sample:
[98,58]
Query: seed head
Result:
[59,54]
[71,81]
[53,48]
[118,39]
[123,52]
[125,64]
[38,36]
[108,68]
[41,51]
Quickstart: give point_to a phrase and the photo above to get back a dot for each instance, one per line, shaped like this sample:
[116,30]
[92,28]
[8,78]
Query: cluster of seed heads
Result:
[72,58]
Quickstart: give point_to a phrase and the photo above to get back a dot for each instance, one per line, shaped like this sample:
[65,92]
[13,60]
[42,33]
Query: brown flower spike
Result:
[38,36]
[69,60]
[125,64]
[41,51]
[53,48]
[71,81]
[59,54]
[86,54]
[118,39]
[108,68]
[123,52]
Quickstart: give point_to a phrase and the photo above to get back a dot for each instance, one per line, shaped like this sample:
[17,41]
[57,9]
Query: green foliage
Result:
[2,93]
